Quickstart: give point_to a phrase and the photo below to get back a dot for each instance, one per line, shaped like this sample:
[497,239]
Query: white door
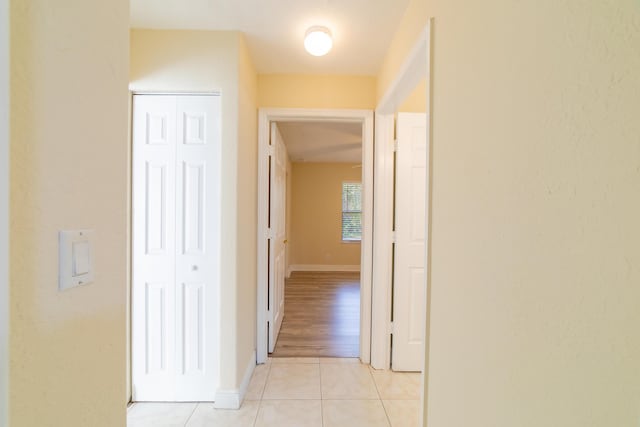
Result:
[277,241]
[409,284]
[176,247]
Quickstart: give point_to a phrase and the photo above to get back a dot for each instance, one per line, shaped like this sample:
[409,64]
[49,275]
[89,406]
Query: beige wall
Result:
[247,211]
[317,214]
[69,74]
[316,91]
[536,198]
[205,61]
[413,23]
[416,102]
[4,213]
[181,60]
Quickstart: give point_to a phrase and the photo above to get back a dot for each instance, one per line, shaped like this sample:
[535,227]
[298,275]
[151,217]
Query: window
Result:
[351,211]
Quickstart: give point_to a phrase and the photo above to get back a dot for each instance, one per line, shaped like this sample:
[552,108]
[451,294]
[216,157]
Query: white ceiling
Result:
[322,142]
[274,29]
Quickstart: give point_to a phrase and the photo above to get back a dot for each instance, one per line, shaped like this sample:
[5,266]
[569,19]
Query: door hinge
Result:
[392,329]
[393,237]
[395,145]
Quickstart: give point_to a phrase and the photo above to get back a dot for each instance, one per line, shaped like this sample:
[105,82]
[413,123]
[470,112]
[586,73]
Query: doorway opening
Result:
[322,233]
[340,153]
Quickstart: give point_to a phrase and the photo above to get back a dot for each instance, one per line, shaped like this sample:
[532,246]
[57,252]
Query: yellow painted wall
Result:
[69,75]
[316,217]
[204,61]
[413,23]
[316,91]
[182,60]
[416,102]
[247,211]
[535,300]
[4,212]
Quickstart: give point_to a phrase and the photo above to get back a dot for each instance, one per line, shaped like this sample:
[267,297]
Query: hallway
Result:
[322,315]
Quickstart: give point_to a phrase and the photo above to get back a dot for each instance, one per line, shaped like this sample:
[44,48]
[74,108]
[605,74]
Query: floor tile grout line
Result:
[264,387]
[380,397]
[255,418]
[266,381]
[320,376]
[191,415]
[321,395]
[384,408]
[375,384]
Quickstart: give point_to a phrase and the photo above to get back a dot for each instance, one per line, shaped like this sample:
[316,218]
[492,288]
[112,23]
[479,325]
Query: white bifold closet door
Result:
[409,283]
[176,247]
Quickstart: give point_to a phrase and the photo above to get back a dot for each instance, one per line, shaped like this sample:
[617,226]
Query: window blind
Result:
[351,211]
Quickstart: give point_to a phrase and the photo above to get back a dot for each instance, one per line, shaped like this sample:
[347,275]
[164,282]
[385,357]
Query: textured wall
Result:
[69,75]
[536,198]
[247,210]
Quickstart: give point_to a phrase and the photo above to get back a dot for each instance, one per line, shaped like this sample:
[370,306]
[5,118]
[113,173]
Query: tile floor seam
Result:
[255,417]
[192,412]
[320,387]
[386,413]
[255,420]
[320,376]
[384,408]
[375,384]
[353,398]
[321,395]
[264,387]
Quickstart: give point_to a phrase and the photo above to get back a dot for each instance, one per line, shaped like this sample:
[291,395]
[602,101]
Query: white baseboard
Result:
[322,267]
[232,399]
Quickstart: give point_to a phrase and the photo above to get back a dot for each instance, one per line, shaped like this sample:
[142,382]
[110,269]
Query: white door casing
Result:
[416,66]
[265,118]
[409,285]
[176,247]
[411,72]
[277,226]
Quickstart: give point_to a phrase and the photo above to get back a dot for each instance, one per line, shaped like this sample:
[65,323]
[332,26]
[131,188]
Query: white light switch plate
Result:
[75,248]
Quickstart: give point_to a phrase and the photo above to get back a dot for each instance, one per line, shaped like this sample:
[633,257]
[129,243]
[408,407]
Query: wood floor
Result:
[321,317]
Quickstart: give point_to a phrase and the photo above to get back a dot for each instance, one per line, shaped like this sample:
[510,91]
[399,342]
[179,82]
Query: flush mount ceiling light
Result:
[318,41]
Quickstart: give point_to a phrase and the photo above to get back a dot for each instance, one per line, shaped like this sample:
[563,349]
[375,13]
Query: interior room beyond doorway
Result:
[323,231]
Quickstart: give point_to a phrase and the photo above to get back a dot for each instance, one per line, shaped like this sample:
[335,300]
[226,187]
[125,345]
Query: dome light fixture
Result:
[318,41]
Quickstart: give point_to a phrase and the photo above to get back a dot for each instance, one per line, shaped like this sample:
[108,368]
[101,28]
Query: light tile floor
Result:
[302,392]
